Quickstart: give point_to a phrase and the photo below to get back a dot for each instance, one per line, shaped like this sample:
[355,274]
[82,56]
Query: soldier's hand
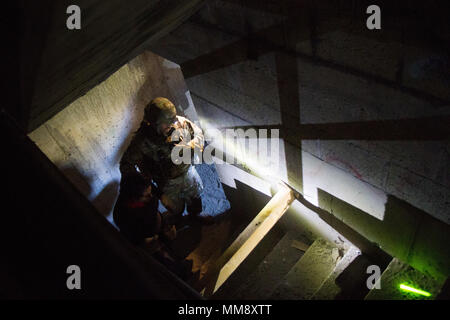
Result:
[182,149]
[170,232]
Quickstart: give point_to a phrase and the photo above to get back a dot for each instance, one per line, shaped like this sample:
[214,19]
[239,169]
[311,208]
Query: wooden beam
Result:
[247,240]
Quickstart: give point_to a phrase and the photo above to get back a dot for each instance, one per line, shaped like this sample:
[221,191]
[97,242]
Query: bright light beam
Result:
[407,288]
[240,155]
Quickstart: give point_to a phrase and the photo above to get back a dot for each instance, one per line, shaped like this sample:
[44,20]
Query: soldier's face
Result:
[163,128]
[147,194]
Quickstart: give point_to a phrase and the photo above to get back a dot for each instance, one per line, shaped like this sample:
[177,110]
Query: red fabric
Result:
[135,204]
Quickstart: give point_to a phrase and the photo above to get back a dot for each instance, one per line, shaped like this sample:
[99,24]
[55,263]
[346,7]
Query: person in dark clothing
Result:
[151,153]
[136,215]
[136,211]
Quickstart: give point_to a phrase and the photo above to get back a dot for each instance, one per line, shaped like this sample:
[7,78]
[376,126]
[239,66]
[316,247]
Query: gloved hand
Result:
[170,232]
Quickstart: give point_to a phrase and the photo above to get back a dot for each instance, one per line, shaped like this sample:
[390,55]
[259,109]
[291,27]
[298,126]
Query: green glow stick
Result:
[414,290]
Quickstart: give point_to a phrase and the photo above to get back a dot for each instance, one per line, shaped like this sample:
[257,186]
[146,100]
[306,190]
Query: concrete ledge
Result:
[397,273]
[309,273]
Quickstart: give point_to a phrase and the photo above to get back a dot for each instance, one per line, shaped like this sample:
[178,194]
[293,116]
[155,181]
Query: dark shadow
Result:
[406,232]
[35,24]
[246,203]
[422,27]
[288,95]
[104,202]
[78,179]
[301,23]
[419,129]
[55,226]
[106,199]
[352,281]
[248,47]
[188,238]
[444,294]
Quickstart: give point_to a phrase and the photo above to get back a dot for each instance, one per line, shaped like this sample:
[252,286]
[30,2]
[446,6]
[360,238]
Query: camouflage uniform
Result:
[150,154]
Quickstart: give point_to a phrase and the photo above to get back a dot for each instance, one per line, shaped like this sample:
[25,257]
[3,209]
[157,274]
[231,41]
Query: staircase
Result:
[309,272]
[398,273]
[260,282]
[265,262]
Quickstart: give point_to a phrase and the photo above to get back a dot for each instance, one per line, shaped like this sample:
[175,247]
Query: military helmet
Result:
[160,110]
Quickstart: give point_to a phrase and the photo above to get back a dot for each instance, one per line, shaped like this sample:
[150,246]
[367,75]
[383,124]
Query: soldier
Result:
[150,154]
[136,210]
[137,216]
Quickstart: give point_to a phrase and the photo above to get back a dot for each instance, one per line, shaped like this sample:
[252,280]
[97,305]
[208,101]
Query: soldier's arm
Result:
[132,160]
[198,139]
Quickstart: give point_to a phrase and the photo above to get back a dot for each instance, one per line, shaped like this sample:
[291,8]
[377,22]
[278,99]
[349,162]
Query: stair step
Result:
[397,273]
[308,274]
[247,267]
[263,281]
[246,242]
[330,288]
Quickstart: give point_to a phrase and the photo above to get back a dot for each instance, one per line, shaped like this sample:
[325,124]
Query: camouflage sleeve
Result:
[131,159]
[198,140]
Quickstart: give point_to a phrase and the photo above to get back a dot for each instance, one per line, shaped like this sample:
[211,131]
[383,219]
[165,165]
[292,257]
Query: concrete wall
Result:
[306,70]
[52,226]
[58,65]
[87,139]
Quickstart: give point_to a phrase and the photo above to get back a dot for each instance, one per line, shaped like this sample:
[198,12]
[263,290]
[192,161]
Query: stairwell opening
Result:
[87,138]
[302,254]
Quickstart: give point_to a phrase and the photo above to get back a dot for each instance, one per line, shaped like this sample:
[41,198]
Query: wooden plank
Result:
[245,273]
[265,278]
[248,240]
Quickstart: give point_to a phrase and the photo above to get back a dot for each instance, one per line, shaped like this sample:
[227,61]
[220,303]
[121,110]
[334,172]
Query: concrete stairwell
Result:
[330,289]
[286,266]
[262,280]
[398,273]
[348,281]
[310,272]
